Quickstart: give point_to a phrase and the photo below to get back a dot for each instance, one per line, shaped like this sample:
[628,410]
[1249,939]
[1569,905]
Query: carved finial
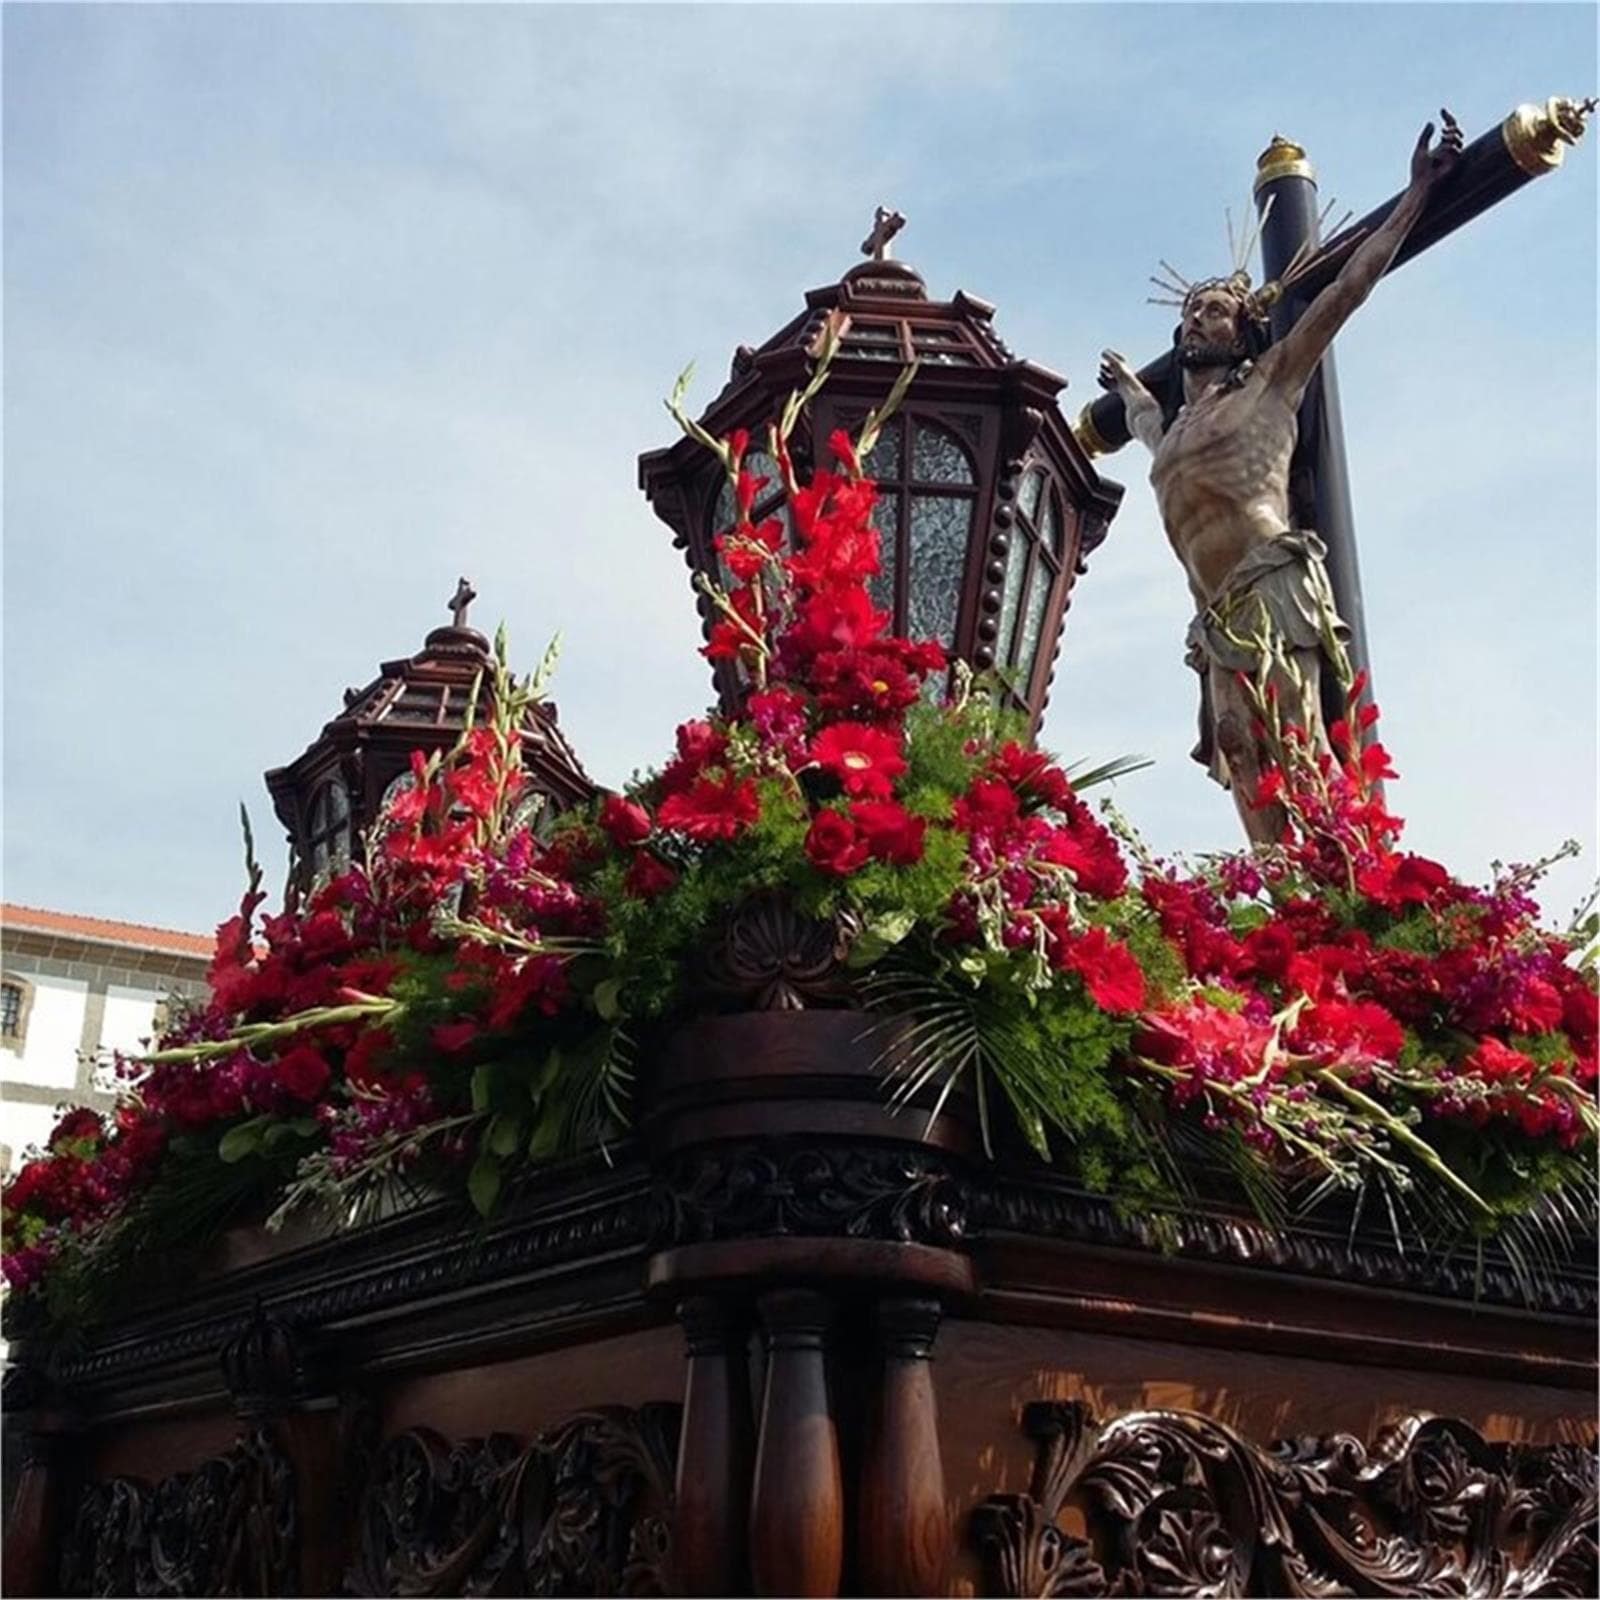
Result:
[463,597]
[885,225]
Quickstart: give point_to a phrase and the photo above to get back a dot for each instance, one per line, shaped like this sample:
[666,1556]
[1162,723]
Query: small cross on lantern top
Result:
[885,225]
[463,597]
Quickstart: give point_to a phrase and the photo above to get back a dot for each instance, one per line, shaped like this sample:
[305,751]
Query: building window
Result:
[1033,563]
[16,1001]
[328,833]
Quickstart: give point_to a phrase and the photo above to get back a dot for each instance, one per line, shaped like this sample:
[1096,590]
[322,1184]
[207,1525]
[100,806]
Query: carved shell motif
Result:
[765,956]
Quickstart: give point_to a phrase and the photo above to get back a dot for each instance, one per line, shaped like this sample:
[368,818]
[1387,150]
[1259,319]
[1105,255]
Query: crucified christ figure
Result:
[1220,470]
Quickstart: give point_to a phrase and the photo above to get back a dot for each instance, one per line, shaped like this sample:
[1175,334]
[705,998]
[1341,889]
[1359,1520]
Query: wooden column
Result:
[35,1519]
[797,1515]
[904,1531]
[715,1450]
[280,1389]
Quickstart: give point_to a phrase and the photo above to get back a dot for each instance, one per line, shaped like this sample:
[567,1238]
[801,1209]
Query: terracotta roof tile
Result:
[134,935]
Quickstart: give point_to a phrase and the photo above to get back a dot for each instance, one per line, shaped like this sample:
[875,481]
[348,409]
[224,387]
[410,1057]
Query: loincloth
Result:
[1278,590]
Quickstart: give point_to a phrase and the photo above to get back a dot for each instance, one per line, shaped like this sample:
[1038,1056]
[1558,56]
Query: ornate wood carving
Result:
[767,957]
[859,1191]
[585,1509]
[228,1527]
[1178,1504]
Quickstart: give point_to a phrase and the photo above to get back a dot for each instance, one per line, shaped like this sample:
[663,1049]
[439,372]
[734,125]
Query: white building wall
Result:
[49,1055]
[22,1125]
[129,1020]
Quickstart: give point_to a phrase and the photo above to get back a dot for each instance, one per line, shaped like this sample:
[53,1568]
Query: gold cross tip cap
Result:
[1537,136]
[1283,158]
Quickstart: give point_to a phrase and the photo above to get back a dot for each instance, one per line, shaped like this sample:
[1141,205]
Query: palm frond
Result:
[1117,767]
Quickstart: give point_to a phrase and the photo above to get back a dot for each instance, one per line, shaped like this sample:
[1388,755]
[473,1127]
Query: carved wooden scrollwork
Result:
[1178,1504]
[862,1191]
[228,1527]
[585,1509]
[767,957]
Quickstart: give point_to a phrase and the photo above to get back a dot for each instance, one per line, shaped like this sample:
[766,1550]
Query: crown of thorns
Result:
[1179,291]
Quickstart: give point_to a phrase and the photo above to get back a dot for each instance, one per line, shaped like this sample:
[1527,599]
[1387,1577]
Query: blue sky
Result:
[310,309]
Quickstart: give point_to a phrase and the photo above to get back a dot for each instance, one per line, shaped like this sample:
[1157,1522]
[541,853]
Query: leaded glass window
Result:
[1034,561]
[10,1010]
[927,493]
[769,503]
[328,832]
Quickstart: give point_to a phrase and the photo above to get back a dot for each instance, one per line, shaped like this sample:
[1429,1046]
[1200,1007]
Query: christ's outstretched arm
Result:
[1289,364]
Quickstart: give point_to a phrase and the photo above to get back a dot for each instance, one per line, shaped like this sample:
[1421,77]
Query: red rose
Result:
[301,1073]
[891,832]
[626,821]
[834,845]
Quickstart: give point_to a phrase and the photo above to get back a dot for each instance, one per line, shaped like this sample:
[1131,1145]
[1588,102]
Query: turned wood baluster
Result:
[797,1516]
[715,1449]
[39,1513]
[904,1532]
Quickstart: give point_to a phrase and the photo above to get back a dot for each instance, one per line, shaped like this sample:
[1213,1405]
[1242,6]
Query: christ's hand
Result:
[1117,376]
[1429,165]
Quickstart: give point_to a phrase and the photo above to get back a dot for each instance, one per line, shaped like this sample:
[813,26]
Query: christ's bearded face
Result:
[1213,332]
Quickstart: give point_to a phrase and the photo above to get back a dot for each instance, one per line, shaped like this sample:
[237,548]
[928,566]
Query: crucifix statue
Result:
[1241,418]
[463,597]
[1220,470]
[885,225]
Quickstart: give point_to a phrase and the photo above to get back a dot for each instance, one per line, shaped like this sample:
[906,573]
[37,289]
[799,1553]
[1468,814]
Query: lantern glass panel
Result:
[1011,600]
[886,519]
[937,458]
[883,460]
[940,525]
[1038,599]
[1028,499]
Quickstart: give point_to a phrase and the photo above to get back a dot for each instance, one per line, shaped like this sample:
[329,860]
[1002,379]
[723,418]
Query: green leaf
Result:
[483,1183]
[504,1136]
[608,999]
[546,1140]
[241,1141]
[482,1086]
[880,935]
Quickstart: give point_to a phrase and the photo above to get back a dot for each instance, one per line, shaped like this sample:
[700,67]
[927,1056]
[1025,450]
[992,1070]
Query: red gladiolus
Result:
[711,809]
[865,760]
[834,845]
[626,821]
[1108,969]
[891,832]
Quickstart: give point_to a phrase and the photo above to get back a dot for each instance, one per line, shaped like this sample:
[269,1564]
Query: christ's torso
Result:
[1221,477]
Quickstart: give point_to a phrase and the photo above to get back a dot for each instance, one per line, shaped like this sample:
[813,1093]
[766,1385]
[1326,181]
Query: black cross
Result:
[885,225]
[463,597]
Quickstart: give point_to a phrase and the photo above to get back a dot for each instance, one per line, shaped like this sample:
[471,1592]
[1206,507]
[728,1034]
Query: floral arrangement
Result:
[1330,1013]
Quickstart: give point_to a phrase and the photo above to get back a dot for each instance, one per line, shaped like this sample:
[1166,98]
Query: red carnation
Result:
[891,832]
[302,1073]
[711,808]
[1108,969]
[1499,1063]
[834,844]
[626,821]
[865,760]
[647,876]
